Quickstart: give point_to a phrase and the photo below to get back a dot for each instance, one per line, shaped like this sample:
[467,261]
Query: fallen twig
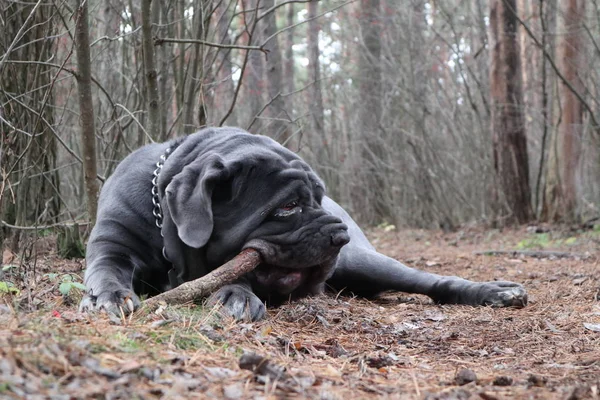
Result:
[530,253]
[246,261]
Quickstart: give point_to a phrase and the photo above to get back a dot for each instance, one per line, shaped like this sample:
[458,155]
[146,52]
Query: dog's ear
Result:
[189,197]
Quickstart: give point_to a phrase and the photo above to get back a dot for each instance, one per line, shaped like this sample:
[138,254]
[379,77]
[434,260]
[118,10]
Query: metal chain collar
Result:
[157,211]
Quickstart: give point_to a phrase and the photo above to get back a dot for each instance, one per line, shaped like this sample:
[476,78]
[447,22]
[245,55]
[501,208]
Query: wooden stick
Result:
[246,261]
[529,253]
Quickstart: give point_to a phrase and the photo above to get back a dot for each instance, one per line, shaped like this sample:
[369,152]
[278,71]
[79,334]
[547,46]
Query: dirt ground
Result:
[330,347]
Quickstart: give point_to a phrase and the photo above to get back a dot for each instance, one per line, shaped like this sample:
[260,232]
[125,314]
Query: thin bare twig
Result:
[34,228]
[159,41]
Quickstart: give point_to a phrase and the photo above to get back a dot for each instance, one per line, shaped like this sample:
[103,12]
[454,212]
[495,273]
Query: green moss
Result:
[539,240]
[126,344]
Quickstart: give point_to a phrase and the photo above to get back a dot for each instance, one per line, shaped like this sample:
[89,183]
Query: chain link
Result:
[157,210]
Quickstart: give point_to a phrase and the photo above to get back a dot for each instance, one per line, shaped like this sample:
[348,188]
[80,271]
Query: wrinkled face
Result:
[274,206]
[224,190]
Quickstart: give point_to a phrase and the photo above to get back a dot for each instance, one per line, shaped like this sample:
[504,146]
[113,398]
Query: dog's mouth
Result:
[289,271]
[285,280]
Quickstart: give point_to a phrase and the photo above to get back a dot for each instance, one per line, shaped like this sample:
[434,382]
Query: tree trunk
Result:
[370,65]
[152,100]
[255,70]
[513,196]
[277,128]
[179,62]
[560,202]
[547,16]
[369,113]
[225,88]
[165,62]
[315,95]
[196,83]
[86,109]
[289,58]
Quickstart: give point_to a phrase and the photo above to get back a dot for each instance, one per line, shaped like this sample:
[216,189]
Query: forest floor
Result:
[329,347]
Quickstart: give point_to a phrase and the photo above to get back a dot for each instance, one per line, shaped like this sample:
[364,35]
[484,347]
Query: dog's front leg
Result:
[108,280]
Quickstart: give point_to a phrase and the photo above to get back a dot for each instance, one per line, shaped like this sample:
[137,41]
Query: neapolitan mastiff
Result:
[174,211]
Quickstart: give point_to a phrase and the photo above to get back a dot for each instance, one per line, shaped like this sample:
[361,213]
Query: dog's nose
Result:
[340,238]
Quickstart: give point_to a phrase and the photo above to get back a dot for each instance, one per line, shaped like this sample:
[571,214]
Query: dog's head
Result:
[226,190]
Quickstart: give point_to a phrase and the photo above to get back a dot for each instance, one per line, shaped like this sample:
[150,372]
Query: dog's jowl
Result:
[173,212]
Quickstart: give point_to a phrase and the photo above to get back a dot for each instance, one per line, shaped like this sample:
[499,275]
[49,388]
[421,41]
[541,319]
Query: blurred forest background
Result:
[416,113]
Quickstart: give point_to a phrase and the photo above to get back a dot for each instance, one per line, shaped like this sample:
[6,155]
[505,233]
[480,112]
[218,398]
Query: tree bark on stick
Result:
[86,108]
[246,261]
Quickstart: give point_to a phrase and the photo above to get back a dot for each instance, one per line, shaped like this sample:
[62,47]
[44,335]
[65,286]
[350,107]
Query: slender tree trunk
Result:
[315,94]
[152,97]
[86,109]
[509,137]
[196,84]
[254,79]
[289,73]
[290,85]
[165,60]
[369,111]
[225,87]
[560,203]
[179,55]
[547,16]
[277,127]
[370,65]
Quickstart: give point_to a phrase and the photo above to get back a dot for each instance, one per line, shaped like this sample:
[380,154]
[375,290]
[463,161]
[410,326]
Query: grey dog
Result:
[221,190]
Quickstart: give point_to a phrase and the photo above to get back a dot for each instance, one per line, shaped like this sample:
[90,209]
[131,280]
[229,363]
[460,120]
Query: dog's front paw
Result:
[502,294]
[239,302]
[117,302]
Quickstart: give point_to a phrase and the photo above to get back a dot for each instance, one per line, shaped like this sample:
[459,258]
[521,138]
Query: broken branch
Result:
[529,253]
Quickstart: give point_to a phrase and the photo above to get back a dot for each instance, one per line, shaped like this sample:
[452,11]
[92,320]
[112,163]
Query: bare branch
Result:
[160,41]
[35,228]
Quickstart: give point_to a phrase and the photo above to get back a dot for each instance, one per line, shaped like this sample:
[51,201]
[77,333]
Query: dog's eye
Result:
[287,210]
[289,206]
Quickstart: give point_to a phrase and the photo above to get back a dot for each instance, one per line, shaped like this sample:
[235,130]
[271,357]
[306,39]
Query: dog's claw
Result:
[129,305]
[117,302]
[504,294]
[239,302]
